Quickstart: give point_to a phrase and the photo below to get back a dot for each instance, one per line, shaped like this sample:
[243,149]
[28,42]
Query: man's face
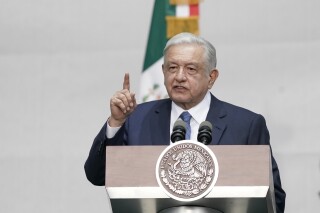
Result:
[185,75]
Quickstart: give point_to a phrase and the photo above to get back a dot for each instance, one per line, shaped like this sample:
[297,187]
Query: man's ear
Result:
[164,79]
[213,77]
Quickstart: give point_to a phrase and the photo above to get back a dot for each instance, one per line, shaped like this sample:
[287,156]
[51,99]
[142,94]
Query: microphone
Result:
[205,132]
[178,131]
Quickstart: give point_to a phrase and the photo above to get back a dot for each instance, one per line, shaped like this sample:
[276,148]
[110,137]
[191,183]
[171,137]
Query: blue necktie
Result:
[186,117]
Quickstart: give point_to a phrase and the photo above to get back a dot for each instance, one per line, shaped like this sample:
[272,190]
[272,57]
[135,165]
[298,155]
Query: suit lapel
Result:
[160,123]
[215,116]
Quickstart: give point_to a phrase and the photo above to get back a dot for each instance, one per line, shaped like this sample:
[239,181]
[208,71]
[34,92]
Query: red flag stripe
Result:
[194,10]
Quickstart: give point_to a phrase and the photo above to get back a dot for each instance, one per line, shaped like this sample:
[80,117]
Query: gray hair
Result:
[189,38]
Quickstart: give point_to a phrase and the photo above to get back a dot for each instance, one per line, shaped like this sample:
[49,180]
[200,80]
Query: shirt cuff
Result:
[111,131]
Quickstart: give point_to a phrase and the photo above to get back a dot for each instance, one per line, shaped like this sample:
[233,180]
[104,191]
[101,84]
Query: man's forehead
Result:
[184,56]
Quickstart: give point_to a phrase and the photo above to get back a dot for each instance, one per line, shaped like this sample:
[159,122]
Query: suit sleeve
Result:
[95,164]
[259,134]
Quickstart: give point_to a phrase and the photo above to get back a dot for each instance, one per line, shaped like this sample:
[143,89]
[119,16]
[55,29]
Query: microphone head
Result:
[179,124]
[205,132]
[178,131]
[205,125]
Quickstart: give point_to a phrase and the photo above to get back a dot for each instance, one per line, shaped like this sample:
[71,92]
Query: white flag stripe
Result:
[149,78]
[182,10]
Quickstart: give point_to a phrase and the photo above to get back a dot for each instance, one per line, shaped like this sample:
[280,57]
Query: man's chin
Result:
[179,99]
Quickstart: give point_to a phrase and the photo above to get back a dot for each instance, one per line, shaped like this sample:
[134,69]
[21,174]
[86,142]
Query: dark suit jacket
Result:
[149,124]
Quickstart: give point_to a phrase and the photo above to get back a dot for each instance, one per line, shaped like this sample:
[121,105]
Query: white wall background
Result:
[61,61]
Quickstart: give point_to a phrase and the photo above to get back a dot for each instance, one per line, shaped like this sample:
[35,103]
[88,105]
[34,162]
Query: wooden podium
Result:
[244,184]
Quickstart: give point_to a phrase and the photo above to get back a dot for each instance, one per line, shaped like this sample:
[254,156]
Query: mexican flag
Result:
[169,18]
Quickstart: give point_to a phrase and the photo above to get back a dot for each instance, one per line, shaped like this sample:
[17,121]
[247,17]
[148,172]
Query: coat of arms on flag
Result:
[169,18]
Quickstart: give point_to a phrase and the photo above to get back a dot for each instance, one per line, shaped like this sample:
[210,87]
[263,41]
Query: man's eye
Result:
[173,68]
[191,70]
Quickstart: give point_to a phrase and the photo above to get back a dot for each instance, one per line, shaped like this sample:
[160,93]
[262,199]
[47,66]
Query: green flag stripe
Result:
[158,32]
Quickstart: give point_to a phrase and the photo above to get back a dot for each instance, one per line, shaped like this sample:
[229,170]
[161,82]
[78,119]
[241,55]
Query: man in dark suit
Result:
[189,70]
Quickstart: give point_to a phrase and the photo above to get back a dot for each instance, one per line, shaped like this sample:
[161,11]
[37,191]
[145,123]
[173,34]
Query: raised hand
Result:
[122,104]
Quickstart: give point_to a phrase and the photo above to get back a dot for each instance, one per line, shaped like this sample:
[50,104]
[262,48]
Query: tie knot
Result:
[186,117]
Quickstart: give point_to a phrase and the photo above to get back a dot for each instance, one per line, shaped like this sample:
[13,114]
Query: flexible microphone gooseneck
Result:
[178,131]
[205,132]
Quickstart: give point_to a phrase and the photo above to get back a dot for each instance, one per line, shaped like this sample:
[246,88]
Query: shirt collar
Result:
[198,112]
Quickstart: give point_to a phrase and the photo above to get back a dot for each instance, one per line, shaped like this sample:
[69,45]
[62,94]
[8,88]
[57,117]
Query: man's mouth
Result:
[179,86]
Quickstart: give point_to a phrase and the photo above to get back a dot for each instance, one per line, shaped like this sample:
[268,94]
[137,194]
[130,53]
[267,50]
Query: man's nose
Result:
[181,74]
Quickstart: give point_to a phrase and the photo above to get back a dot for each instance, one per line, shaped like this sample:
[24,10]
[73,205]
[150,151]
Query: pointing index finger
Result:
[126,82]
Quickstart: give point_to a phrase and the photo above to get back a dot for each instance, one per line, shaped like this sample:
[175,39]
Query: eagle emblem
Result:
[187,170]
